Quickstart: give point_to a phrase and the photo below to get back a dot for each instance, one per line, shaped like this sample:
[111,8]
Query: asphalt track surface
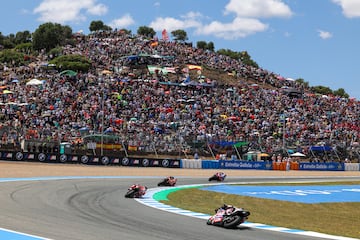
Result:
[95,208]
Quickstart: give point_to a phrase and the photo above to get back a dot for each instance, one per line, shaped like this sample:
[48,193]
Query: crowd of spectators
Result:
[120,96]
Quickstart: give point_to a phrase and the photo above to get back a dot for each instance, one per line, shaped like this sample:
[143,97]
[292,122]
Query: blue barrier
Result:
[210,164]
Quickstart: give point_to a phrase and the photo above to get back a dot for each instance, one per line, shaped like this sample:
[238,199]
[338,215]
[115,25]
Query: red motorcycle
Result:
[136,191]
[219,176]
[228,217]
[169,182]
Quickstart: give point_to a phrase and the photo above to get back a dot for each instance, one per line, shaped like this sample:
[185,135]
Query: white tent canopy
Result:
[297,154]
[34,81]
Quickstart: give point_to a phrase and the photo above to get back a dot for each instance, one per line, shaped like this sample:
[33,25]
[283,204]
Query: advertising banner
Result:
[256,165]
[333,166]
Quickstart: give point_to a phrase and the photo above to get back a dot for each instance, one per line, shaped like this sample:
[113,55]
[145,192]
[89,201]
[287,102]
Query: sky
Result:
[316,40]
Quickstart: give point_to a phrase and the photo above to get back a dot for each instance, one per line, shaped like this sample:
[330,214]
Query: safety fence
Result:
[176,163]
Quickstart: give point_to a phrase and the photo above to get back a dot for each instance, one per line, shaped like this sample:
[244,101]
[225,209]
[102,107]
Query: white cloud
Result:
[350,8]
[99,9]
[190,20]
[246,21]
[238,28]
[123,22]
[68,10]
[324,34]
[258,8]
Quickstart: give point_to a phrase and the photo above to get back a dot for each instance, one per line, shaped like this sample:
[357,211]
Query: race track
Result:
[95,208]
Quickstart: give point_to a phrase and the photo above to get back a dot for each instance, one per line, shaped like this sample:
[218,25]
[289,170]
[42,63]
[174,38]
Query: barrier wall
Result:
[284,166]
[175,163]
[331,166]
[267,165]
[89,159]
[210,164]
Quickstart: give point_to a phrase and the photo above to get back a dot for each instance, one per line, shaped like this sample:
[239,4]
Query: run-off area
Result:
[303,194]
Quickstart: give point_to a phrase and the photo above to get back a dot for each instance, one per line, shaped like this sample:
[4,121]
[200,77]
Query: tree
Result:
[72,62]
[11,57]
[50,35]
[302,82]
[210,46]
[242,56]
[179,35]
[125,31]
[321,90]
[55,52]
[201,44]
[146,31]
[341,93]
[24,47]
[98,25]
[22,37]
[206,46]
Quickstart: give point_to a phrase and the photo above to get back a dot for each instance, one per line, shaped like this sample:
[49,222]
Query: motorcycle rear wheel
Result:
[130,194]
[212,178]
[233,222]
[162,183]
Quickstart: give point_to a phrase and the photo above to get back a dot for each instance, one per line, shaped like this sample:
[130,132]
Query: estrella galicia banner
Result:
[334,166]
[236,164]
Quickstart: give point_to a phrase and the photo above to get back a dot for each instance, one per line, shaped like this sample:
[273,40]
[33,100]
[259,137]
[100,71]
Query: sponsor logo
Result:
[165,163]
[63,158]
[19,156]
[145,162]
[105,160]
[125,161]
[41,157]
[84,159]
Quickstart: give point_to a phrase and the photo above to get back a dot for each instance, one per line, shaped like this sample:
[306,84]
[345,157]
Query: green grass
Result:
[342,219]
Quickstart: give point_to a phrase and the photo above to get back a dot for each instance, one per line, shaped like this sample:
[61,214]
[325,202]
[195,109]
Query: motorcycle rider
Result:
[221,175]
[171,180]
[225,209]
[141,189]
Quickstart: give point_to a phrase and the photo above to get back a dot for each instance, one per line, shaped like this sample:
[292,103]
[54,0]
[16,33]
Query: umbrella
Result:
[69,73]
[34,81]
[7,91]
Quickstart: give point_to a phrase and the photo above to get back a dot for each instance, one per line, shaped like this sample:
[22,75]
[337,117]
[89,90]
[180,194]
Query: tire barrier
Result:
[352,166]
[191,163]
